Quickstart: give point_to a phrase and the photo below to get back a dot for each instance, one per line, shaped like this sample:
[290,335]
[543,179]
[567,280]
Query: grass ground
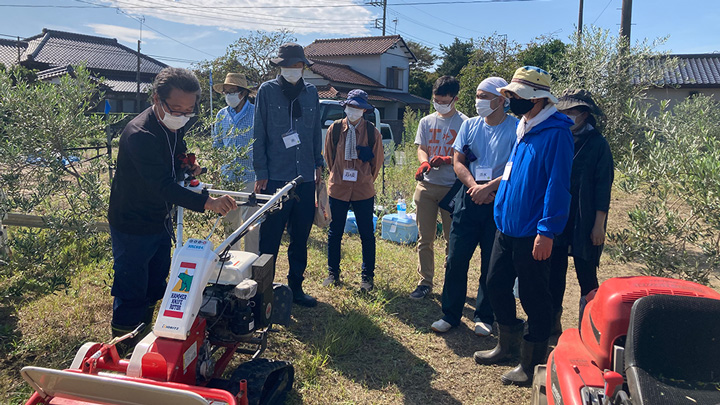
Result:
[352,348]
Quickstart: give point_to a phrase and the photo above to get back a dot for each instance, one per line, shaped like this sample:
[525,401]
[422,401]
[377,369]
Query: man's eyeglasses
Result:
[178,113]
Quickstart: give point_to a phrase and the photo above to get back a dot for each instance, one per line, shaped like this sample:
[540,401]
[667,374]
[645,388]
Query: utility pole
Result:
[380,22]
[626,20]
[384,15]
[137,80]
[580,22]
[18,46]
[137,72]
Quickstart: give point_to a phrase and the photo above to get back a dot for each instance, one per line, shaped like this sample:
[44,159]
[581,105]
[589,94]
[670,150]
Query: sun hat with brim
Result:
[290,54]
[572,98]
[530,82]
[232,79]
[357,98]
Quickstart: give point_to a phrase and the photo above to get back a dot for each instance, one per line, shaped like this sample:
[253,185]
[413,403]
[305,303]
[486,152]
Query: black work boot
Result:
[300,298]
[508,345]
[533,353]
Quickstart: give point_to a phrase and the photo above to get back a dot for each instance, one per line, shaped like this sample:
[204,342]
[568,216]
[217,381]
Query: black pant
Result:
[586,271]
[512,257]
[472,224]
[363,210]
[298,216]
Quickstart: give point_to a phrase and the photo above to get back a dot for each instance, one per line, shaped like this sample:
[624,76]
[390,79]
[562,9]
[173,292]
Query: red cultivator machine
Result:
[642,340]
[218,303]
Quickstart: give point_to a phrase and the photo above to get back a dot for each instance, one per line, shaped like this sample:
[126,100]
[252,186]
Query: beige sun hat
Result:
[530,82]
[232,79]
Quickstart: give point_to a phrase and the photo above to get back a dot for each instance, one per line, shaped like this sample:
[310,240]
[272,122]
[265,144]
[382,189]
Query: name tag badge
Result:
[291,138]
[483,174]
[350,175]
[506,173]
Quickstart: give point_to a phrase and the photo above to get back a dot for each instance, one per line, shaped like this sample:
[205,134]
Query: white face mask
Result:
[172,122]
[233,99]
[443,108]
[292,75]
[354,114]
[483,107]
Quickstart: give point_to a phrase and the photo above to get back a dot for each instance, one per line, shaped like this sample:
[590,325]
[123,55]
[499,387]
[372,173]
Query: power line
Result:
[428,26]
[603,11]
[453,23]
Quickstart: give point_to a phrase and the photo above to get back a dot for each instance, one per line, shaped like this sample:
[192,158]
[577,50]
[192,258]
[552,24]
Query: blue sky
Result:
[181,31]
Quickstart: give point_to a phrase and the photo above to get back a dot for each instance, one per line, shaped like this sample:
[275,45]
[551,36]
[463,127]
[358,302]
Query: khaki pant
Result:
[235,218]
[427,197]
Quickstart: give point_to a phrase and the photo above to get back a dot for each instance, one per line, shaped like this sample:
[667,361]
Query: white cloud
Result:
[299,16]
[121,33]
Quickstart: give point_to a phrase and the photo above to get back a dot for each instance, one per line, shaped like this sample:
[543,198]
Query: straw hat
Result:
[233,79]
[530,82]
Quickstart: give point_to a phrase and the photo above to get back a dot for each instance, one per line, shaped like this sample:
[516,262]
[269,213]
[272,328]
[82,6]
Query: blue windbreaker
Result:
[536,197]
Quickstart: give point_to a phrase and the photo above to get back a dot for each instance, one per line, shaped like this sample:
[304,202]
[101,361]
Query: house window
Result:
[394,78]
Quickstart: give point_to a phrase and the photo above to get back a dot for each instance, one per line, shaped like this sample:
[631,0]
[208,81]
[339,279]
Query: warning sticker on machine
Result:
[189,355]
[178,298]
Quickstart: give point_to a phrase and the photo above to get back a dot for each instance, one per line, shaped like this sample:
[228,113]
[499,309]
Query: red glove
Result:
[438,161]
[424,167]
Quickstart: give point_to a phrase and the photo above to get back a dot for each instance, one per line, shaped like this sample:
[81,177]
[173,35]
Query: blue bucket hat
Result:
[357,98]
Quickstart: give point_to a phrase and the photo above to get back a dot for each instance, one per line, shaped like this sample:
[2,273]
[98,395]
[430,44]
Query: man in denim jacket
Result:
[288,143]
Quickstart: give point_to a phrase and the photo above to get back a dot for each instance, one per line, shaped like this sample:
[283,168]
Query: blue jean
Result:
[363,210]
[141,265]
[472,225]
[297,215]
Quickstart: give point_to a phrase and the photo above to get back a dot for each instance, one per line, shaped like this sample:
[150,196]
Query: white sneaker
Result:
[483,329]
[440,326]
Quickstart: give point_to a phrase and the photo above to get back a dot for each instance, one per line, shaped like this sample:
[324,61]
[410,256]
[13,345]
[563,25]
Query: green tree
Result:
[618,75]
[38,175]
[455,57]
[249,55]
[421,79]
[675,230]
[495,56]
[424,55]
[543,52]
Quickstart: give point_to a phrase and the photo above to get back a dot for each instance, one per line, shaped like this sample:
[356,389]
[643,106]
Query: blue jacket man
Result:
[531,207]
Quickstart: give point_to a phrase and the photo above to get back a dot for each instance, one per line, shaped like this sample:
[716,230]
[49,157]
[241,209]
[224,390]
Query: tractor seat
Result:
[672,352]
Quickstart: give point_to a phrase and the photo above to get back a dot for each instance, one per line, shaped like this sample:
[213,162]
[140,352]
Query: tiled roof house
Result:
[695,74]
[379,65]
[53,53]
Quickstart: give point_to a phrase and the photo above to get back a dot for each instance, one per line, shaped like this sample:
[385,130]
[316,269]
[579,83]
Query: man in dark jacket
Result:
[144,190]
[531,207]
[288,143]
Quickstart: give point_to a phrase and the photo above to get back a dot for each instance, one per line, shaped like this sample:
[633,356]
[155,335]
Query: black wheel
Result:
[268,381]
[539,389]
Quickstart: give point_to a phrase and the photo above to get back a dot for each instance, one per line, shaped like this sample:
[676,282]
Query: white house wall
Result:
[390,59]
